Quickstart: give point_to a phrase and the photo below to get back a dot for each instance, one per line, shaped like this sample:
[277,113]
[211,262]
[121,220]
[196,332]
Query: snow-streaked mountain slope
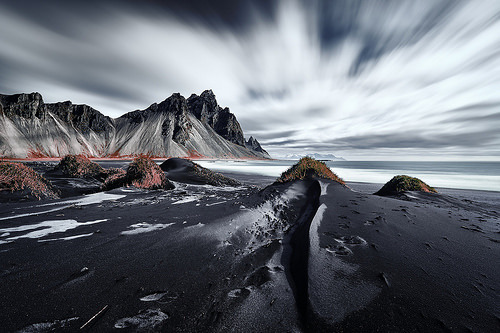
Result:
[31,128]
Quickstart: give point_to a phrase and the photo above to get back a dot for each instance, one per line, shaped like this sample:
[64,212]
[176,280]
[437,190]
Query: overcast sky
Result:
[360,79]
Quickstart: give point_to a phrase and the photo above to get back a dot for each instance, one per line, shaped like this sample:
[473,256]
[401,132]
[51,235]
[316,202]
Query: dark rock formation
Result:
[185,171]
[26,106]
[82,117]
[206,109]
[254,145]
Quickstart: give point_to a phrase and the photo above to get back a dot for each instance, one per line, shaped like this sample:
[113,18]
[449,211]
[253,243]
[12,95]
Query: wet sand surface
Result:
[307,256]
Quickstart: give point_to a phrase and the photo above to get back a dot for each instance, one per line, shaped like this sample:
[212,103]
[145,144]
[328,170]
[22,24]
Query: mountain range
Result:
[318,156]
[177,127]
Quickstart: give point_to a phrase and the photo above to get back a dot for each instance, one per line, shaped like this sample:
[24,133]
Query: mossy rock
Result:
[308,168]
[402,183]
[17,177]
[142,172]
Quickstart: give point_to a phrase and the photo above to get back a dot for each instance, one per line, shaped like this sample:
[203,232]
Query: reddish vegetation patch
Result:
[308,167]
[79,166]
[17,177]
[192,154]
[36,154]
[143,172]
[404,183]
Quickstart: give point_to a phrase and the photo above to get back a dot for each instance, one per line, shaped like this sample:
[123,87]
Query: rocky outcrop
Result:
[28,106]
[206,109]
[82,117]
[254,145]
[176,127]
[185,171]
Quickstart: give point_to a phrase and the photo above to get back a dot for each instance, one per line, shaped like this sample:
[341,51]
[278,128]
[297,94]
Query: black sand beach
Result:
[305,256]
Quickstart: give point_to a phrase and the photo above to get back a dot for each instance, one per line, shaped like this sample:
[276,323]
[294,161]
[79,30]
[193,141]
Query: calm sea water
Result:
[463,175]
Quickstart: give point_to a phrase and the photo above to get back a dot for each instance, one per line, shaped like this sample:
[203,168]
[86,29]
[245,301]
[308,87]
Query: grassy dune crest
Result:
[142,172]
[308,167]
[404,183]
[19,177]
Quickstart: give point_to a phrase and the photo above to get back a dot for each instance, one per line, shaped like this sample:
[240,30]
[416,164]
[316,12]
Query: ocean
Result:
[458,175]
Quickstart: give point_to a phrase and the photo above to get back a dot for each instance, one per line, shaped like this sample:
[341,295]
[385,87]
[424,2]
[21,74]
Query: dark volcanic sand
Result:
[211,259]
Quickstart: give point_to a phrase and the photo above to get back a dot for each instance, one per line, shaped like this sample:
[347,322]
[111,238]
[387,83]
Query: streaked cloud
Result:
[361,79]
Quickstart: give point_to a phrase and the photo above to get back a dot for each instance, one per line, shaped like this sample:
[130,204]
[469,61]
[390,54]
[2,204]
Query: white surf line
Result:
[86,200]
[48,227]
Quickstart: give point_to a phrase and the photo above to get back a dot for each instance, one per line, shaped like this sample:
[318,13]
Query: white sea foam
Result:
[245,167]
[142,227]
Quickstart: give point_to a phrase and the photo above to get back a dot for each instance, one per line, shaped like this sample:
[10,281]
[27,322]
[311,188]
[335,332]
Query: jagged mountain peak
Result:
[253,144]
[208,111]
[177,126]
[25,105]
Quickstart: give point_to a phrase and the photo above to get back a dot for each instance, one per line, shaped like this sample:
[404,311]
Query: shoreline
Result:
[253,174]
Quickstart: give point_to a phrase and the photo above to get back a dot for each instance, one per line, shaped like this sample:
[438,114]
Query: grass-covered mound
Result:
[142,172]
[186,171]
[402,183]
[15,177]
[79,166]
[308,167]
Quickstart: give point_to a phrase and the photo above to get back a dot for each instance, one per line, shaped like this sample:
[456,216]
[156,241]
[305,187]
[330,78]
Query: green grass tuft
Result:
[142,172]
[404,183]
[308,167]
